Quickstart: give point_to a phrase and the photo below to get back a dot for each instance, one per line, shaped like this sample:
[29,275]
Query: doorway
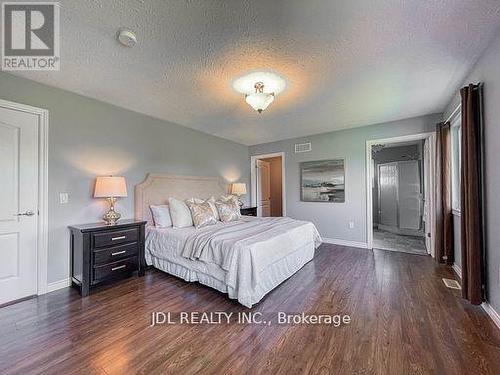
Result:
[23,206]
[400,194]
[267,181]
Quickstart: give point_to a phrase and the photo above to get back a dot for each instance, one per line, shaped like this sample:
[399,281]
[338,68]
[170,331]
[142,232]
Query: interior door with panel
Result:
[263,188]
[18,204]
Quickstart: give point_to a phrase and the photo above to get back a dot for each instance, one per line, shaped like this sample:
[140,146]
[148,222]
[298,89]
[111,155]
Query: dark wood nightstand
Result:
[248,211]
[101,252]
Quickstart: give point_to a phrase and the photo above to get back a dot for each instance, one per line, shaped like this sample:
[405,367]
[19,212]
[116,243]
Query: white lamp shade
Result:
[239,188]
[110,186]
[259,100]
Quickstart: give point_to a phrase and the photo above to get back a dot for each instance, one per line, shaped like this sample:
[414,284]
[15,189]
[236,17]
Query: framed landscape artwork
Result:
[322,181]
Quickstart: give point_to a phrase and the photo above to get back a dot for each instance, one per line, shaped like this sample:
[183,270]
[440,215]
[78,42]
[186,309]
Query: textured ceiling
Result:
[347,63]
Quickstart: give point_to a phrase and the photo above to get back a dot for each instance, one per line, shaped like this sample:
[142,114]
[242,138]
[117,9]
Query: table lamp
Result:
[239,189]
[110,187]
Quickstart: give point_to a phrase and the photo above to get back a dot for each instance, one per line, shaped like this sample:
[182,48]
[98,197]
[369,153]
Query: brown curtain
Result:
[471,196]
[444,217]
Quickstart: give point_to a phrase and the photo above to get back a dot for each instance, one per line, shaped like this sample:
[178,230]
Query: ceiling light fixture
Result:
[127,37]
[259,88]
[259,100]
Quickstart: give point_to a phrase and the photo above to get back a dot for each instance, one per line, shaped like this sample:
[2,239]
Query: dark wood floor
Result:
[404,321]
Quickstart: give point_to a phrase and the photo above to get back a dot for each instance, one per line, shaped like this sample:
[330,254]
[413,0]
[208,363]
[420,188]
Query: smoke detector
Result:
[127,37]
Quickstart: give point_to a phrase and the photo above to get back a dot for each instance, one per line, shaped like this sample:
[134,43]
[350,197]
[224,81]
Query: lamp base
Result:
[111,217]
[240,202]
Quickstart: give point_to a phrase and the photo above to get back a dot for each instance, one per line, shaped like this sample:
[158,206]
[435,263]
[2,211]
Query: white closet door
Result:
[18,204]
[409,195]
[388,194]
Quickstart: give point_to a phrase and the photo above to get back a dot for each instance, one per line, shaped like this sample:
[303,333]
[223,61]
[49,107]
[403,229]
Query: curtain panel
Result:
[444,216]
[472,205]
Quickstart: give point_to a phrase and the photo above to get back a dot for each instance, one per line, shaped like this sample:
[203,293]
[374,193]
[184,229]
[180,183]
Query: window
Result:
[456,151]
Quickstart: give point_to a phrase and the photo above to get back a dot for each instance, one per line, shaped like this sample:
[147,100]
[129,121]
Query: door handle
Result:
[27,213]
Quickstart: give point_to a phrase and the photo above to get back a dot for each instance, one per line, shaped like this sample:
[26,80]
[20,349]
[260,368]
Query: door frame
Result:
[43,197]
[253,178]
[431,137]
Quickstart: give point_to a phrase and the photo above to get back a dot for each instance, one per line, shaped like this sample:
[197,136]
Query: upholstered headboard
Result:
[157,188]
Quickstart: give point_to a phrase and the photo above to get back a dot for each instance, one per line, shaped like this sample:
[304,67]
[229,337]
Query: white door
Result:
[410,195]
[263,188]
[18,204]
[388,194]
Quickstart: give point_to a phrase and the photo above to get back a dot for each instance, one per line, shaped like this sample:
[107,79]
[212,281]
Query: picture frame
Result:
[323,181]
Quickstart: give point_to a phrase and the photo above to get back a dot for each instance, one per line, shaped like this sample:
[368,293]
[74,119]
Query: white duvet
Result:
[237,253]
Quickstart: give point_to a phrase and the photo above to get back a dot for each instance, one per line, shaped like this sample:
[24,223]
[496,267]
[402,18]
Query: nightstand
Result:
[101,253]
[248,211]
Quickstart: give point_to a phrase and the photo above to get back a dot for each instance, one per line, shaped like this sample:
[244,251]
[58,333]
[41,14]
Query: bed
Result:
[245,259]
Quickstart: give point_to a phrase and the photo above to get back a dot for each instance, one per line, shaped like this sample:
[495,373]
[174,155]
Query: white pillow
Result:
[161,216]
[180,213]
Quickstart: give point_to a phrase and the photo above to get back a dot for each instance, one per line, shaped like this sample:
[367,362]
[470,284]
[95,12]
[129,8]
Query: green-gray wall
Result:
[89,138]
[487,70]
[332,219]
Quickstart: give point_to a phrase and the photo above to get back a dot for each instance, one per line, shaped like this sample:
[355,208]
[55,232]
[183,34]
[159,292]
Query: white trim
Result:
[56,285]
[253,179]
[457,270]
[455,112]
[485,305]
[492,313]
[43,181]
[337,241]
[369,178]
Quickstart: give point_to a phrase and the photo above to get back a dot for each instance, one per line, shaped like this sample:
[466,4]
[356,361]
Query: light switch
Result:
[351,225]
[63,198]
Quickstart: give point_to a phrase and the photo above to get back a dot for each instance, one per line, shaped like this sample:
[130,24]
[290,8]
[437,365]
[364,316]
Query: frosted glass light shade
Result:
[259,100]
[239,188]
[110,186]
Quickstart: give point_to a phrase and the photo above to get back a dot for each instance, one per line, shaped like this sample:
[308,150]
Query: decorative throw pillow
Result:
[210,200]
[225,198]
[180,213]
[161,216]
[202,213]
[228,210]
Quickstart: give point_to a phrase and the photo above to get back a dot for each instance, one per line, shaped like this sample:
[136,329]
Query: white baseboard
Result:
[336,241]
[56,285]
[457,270]
[492,313]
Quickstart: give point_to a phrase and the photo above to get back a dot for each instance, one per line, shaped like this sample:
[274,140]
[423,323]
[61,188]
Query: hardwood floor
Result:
[404,321]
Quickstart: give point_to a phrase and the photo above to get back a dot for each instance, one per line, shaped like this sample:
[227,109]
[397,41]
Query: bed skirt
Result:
[269,278]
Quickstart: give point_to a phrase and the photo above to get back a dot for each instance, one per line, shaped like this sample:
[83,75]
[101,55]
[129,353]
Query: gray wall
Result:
[332,219]
[89,138]
[487,70]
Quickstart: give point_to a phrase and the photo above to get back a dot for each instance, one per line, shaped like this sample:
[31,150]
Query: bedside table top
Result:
[247,207]
[102,225]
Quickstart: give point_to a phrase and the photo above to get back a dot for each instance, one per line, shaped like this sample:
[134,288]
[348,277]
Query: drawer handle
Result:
[118,238]
[119,252]
[118,268]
